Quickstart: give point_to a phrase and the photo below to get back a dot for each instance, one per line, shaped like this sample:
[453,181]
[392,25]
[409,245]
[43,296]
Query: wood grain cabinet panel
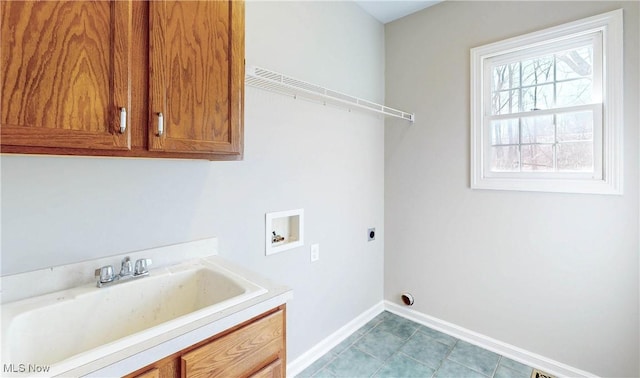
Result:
[273,370]
[242,351]
[65,73]
[168,368]
[68,66]
[256,349]
[153,373]
[193,81]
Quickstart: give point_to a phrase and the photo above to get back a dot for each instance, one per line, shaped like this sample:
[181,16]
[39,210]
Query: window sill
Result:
[549,185]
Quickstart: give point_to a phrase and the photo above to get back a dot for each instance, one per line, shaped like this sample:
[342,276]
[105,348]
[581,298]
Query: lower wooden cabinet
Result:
[274,370]
[255,348]
[153,373]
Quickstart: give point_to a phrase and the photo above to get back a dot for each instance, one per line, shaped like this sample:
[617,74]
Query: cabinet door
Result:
[65,73]
[273,370]
[239,353]
[196,76]
[153,373]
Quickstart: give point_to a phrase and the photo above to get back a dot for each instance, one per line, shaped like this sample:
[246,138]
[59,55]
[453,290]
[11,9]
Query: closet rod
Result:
[273,81]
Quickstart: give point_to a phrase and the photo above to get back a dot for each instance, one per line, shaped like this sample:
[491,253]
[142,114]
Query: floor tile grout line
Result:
[496,368]
[378,359]
[472,369]
[512,370]
[436,340]
[477,371]
[417,361]
[375,358]
[445,357]
[439,342]
[430,337]
[351,345]
[324,366]
[397,351]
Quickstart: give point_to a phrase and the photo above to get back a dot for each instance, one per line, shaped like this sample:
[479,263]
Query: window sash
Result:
[541,112]
[545,48]
[590,38]
[596,174]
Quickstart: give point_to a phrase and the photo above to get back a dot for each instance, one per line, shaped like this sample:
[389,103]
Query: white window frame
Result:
[607,177]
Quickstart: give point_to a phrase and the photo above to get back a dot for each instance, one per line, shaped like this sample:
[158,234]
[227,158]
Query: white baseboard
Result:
[323,347]
[517,354]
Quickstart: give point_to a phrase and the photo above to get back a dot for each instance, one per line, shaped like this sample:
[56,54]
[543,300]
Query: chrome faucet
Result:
[107,276]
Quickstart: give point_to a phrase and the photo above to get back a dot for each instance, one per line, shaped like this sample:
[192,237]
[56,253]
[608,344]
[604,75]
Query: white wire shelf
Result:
[277,82]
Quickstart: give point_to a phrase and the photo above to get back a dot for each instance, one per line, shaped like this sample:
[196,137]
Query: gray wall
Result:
[555,274]
[298,154]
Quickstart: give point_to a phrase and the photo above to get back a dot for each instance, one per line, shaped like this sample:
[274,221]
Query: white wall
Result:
[555,274]
[58,210]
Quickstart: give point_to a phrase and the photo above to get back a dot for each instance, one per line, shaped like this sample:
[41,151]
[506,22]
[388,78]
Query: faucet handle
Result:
[106,274]
[141,267]
[126,268]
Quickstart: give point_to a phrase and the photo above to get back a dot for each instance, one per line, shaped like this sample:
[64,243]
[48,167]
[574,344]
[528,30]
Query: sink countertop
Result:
[145,353]
[138,352]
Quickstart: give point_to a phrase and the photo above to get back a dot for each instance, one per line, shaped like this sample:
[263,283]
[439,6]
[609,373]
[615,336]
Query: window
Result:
[546,109]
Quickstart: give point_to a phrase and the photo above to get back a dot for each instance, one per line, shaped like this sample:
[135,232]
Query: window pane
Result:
[575,157]
[576,63]
[506,76]
[505,102]
[574,92]
[538,129]
[500,78]
[505,132]
[540,97]
[505,159]
[575,126]
[500,102]
[537,157]
[515,75]
[537,71]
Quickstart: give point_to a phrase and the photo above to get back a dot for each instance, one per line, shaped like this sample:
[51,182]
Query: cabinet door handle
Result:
[160,124]
[123,120]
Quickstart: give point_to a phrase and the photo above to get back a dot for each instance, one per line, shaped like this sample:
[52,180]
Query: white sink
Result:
[87,322]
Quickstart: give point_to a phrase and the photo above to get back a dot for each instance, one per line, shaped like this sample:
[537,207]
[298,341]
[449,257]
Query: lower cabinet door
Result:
[273,370]
[153,373]
[240,353]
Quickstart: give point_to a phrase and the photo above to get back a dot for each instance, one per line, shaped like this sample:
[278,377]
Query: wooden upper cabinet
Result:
[196,76]
[65,74]
[69,68]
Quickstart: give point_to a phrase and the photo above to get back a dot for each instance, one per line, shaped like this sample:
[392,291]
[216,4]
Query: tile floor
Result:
[392,346]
